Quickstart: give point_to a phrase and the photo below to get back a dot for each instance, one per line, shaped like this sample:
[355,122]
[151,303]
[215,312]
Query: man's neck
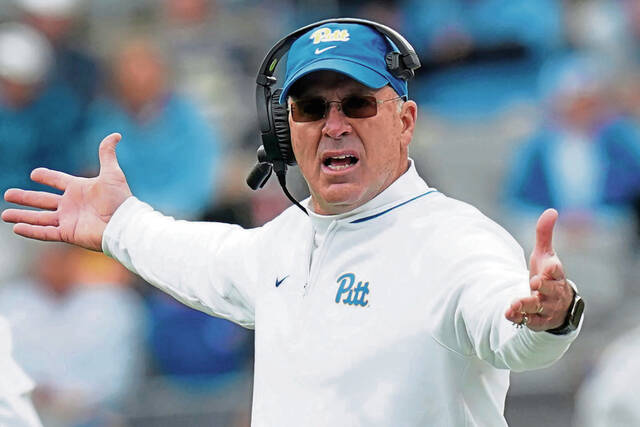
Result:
[341,209]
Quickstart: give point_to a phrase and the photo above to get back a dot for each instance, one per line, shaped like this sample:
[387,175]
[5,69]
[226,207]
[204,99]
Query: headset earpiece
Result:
[280,118]
[396,66]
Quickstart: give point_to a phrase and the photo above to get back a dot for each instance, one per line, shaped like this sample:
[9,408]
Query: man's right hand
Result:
[80,215]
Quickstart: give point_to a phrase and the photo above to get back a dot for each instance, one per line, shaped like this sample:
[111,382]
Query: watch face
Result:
[576,315]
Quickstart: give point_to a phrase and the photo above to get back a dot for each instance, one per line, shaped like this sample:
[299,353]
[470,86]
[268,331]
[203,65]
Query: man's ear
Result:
[408,117]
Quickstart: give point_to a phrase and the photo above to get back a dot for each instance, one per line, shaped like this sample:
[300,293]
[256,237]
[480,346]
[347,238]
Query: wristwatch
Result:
[574,314]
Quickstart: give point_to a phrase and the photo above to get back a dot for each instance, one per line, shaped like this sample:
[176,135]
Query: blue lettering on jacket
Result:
[350,294]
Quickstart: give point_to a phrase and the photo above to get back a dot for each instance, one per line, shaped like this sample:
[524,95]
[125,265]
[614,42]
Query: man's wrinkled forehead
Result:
[321,81]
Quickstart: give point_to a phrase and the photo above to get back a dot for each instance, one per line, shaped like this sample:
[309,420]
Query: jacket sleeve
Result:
[207,266]
[482,283]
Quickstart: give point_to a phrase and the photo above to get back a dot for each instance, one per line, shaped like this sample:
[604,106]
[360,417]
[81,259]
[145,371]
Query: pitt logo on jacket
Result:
[349,294]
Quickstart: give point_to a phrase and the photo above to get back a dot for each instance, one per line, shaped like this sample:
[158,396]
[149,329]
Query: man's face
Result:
[348,161]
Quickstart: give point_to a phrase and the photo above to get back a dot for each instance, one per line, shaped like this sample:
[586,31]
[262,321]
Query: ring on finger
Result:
[540,309]
[524,320]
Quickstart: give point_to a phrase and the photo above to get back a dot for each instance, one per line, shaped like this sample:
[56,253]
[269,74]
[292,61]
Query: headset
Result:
[276,152]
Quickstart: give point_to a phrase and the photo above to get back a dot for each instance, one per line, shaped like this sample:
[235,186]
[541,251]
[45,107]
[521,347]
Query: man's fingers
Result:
[34,199]
[38,232]
[528,311]
[554,271]
[516,316]
[55,179]
[530,304]
[546,287]
[544,231]
[44,218]
[107,153]
[537,322]
[535,283]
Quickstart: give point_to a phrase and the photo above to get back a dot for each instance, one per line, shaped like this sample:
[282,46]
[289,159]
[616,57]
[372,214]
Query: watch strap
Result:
[574,314]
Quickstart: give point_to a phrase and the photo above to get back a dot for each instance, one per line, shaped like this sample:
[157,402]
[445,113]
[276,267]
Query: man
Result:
[390,304]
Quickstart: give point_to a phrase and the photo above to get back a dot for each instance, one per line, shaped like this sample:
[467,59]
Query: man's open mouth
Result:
[340,162]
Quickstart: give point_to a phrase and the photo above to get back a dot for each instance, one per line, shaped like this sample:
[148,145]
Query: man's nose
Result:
[336,123]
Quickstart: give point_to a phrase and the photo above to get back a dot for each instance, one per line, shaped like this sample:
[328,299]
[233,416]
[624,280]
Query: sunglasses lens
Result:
[355,106]
[360,107]
[308,110]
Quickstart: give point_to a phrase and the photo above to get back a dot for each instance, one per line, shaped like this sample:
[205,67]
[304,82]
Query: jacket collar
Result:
[406,187]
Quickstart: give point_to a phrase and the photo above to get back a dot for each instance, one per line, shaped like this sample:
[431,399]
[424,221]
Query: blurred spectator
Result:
[627,92]
[585,158]
[36,119]
[204,67]
[601,27]
[169,153]
[74,72]
[194,348]
[479,56]
[200,371]
[306,12]
[216,47]
[609,395]
[386,12]
[78,334]
[16,408]
[58,20]
[632,13]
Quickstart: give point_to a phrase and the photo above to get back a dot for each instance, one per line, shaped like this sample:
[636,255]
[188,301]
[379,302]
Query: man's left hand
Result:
[551,295]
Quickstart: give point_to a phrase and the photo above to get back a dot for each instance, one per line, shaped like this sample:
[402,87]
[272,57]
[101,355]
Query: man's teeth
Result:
[340,162]
[338,167]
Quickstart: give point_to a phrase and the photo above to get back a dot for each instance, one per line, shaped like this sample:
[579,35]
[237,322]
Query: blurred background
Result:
[523,105]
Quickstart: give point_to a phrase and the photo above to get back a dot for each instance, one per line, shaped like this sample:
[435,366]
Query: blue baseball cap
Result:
[353,49]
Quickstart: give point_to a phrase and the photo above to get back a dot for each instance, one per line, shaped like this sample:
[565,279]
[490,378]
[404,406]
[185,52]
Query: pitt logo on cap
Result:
[326,35]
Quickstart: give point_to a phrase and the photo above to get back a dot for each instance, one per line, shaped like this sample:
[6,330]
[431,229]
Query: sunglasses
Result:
[353,106]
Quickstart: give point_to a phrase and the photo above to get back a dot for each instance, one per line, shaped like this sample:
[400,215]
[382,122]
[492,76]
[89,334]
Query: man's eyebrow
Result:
[360,90]
[307,93]
[363,91]
[315,92]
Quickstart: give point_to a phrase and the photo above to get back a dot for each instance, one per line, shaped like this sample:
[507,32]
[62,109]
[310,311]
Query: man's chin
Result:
[338,198]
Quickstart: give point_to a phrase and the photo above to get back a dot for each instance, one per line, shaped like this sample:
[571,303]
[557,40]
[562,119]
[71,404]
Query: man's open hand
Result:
[551,295]
[78,216]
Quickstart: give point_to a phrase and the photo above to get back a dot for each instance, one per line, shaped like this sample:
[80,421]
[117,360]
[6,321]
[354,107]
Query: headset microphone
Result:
[261,172]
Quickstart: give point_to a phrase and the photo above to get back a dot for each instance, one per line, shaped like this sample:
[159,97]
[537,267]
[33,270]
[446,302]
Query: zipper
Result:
[316,262]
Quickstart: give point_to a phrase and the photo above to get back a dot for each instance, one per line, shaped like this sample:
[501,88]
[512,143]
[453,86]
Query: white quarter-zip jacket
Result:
[390,315]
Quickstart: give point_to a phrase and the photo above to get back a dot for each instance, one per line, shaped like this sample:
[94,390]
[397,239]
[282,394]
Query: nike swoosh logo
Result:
[279,281]
[319,51]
